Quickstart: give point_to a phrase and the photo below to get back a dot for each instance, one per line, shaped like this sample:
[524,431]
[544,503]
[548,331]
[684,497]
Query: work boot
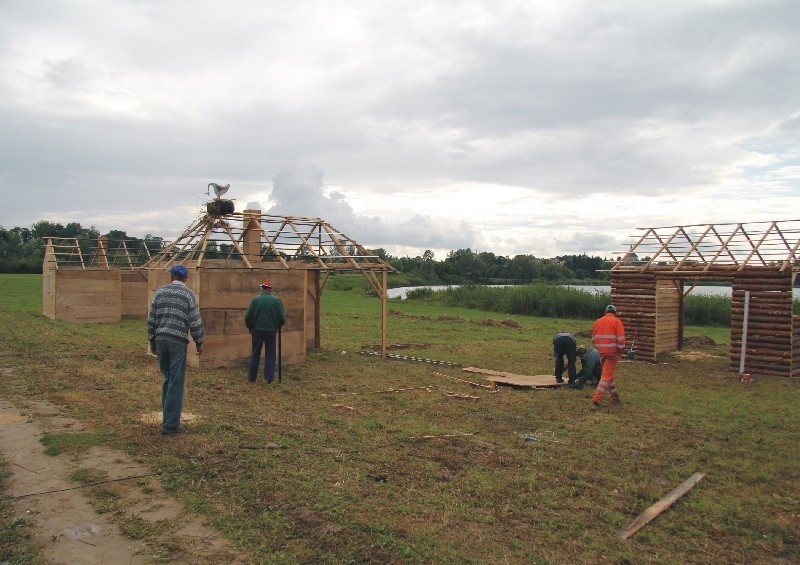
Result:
[559,380]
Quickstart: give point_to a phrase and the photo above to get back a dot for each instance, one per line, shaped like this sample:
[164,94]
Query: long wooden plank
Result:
[645,517]
[513,379]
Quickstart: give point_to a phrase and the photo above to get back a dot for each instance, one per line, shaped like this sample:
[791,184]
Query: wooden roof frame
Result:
[703,248]
[283,243]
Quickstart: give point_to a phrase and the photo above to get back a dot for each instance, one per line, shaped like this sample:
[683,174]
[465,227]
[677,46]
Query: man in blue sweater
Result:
[591,367]
[263,318]
[173,316]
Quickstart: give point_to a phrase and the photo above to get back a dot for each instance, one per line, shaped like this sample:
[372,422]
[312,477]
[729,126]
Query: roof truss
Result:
[702,247]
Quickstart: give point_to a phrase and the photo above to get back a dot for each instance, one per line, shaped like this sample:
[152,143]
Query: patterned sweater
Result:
[174,315]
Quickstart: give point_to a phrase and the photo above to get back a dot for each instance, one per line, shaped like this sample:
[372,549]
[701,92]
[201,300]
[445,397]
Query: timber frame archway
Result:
[760,262]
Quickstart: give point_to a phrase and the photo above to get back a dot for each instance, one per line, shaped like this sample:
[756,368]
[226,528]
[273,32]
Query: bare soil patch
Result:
[64,513]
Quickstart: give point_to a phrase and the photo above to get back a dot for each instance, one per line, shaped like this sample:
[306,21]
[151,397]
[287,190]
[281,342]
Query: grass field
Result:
[327,466]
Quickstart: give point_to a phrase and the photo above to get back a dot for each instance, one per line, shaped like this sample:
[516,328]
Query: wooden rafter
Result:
[739,245]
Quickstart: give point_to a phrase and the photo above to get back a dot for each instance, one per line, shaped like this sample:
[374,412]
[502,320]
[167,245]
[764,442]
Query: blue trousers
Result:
[172,361]
[266,339]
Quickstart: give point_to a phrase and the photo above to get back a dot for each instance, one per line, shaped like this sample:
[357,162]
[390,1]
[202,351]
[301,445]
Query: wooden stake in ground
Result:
[660,506]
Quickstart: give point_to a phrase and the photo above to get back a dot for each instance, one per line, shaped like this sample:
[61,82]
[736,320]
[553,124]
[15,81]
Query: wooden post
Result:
[384,314]
[317,310]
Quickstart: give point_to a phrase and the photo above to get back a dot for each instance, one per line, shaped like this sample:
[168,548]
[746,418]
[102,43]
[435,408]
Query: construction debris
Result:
[397,357]
[478,385]
[443,436]
[377,346]
[512,379]
[660,506]
[539,436]
[423,387]
[452,394]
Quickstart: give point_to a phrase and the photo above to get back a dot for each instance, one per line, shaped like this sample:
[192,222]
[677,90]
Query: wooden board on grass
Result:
[512,379]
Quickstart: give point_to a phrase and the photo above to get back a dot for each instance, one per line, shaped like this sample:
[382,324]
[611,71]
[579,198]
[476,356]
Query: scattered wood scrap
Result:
[343,406]
[377,346]
[660,506]
[424,387]
[396,357]
[477,385]
[443,436]
[388,390]
[451,394]
[512,379]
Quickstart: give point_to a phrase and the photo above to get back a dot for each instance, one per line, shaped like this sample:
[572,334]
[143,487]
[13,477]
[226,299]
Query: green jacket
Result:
[265,313]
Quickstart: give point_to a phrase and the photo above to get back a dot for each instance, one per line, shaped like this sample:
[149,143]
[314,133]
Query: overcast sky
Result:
[533,126]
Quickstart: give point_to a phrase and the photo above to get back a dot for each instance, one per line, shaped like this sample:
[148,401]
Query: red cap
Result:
[266,284]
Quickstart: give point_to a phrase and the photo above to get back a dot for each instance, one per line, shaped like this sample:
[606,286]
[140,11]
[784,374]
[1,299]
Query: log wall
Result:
[634,295]
[669,299]
[769,347]
[650,306]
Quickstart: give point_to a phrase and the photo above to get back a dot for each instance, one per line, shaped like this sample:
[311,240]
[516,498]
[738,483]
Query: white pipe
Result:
[744,330]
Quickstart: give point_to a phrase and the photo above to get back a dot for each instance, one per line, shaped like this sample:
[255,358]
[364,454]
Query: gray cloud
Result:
[525,115]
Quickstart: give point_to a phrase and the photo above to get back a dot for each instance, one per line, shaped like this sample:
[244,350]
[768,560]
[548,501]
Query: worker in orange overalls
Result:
[608,336]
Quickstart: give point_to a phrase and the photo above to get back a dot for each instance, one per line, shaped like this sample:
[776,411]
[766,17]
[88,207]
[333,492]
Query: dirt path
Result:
[66,524]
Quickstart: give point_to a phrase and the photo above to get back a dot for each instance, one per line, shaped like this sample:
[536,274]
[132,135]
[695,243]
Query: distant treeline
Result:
[22,251]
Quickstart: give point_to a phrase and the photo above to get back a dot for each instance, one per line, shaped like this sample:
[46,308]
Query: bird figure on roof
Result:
[218,190]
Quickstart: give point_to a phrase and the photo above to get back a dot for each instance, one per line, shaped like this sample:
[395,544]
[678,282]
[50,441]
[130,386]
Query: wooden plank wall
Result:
[669,296]
[634,295]
[769,349]
[133,285]
[223,296]
[312,303]
[87,296]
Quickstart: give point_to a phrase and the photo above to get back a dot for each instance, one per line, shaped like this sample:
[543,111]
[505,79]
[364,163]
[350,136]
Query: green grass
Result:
[72,443]
[329,467]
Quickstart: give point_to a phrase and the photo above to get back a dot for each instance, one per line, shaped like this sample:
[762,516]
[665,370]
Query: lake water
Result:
[696,291]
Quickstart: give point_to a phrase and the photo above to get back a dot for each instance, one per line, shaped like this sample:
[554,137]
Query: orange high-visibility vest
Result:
[608,335]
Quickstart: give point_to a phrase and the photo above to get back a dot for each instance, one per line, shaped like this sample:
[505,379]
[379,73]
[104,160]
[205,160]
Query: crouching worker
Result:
[564,345]
[591,367]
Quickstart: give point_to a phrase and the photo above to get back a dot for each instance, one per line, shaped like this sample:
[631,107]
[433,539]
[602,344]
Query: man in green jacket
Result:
[264,318]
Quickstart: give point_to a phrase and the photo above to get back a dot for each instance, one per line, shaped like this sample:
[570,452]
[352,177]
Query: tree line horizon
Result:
[22,251]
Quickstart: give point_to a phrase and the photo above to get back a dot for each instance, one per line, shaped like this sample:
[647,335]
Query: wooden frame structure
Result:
[760,261]
[228,256]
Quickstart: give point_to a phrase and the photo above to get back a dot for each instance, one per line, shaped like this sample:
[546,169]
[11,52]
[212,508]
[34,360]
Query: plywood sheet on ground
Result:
[512,379]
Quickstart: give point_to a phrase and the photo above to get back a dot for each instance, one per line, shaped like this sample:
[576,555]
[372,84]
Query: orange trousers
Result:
[607,384]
